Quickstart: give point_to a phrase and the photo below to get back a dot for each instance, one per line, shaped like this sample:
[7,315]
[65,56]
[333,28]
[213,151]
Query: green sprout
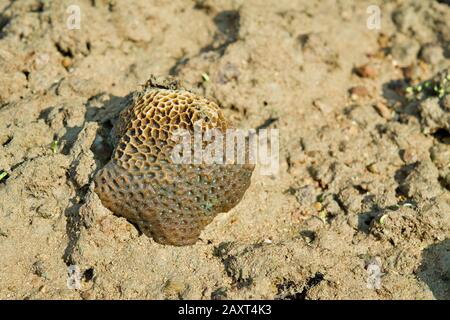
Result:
[323,216]
[208,206]
[205,77]
[54,146]
[439,86]
[383,219]
[3,175]
[408,204]
[321,198]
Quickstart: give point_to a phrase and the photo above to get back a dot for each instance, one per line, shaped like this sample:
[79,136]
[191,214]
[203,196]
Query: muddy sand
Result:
[360,205]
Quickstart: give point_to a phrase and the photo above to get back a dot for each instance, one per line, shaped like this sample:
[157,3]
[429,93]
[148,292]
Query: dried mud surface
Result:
[364,174]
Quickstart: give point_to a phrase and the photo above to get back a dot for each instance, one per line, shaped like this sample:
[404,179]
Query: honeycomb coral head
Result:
[169,201]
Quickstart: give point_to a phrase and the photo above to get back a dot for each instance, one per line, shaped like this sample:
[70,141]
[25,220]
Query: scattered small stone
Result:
[38,269]
[383,110]
[366,71]
[66,63]
[359,92]
[323,107]
[408,155]
[373,168]
[318,206]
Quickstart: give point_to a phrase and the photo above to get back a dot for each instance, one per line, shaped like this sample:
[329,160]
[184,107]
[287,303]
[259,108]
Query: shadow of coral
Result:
[103,109]
[228,25]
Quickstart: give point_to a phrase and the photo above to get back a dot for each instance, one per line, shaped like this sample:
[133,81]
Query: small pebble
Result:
[358,91]
[408,155]
[323,107]
[38,269]
[373,168]
[383,110]
[86,295]
[366,71]
[318,206]
[66,62]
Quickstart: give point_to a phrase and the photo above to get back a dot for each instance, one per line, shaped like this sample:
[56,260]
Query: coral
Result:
[170,201]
